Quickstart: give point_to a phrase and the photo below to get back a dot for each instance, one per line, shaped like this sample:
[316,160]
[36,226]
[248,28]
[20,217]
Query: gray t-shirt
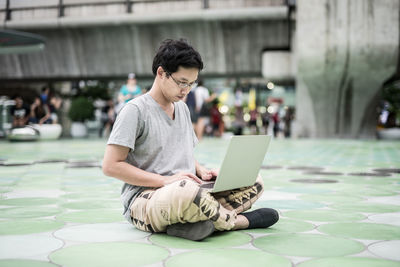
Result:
[157,143]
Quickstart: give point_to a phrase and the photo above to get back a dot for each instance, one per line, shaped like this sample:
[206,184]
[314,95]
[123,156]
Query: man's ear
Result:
[160,71]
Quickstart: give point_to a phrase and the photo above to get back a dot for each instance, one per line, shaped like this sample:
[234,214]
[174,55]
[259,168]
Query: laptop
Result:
[241,163]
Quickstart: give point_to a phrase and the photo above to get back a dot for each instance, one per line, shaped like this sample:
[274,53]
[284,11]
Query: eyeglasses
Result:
[183,85]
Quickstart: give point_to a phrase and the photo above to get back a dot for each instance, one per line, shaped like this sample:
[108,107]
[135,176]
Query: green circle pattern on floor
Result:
[89,216]
[289,204]
[109,254]
[21,227]
[101,232]
[29,201]
[386,218]
[28,212]
[306,190]
[366,207]
[364,191]
[349,262]
[4,189]
[92,216]
[307,245]
[7,181]
[332,198]
[370,231]
[227,257]
[284,226]
[91,195]
[324,215]
[25,263]
[216,240]
[386,249]
[92,204]
[28,246]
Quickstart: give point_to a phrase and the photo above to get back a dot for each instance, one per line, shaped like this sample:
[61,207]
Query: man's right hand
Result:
[181,176]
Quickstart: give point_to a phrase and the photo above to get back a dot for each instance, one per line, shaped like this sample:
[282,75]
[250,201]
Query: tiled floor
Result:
[338,199]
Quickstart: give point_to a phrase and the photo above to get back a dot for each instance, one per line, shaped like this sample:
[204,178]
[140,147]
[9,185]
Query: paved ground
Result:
[339,204]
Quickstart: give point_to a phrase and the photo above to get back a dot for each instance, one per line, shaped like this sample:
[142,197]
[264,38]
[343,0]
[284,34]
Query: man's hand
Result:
[206,174]
[181,176]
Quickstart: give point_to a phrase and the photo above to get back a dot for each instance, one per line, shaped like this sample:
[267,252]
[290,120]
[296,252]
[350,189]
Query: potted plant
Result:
[81,110]
[390,114]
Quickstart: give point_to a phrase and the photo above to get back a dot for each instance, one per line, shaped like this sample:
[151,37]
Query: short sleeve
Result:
[195,139]
[190,125]
[122,90]
[206,93]
[126,127]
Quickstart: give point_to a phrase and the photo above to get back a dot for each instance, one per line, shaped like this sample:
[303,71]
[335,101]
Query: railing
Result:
[58,8]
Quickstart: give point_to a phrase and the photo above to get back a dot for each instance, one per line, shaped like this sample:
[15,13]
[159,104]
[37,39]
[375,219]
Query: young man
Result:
[19,112]
[151,149]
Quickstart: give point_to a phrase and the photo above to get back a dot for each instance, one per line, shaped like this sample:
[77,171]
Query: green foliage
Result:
[391,94]
[96,90]
[81,109]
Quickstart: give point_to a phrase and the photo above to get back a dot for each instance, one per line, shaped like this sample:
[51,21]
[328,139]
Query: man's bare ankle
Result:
[241,223]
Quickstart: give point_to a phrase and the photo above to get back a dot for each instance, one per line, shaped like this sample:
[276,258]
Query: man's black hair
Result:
[175,53]
[16,96]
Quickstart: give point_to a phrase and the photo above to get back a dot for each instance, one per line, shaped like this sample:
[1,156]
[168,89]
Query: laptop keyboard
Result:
[208,185]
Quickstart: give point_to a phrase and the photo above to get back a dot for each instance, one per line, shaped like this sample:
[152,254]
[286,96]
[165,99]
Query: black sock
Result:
[261,218]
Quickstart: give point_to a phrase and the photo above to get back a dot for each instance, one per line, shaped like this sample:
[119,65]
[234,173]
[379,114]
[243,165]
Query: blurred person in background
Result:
[239,123]
[253,121]
[151,149]
[276,120]
[54,105]
[190,101]
[107,118]
[128,91]
[20,112]
[287,119]
[217,123]
[39,113]
[45,94]
[265,121]
[203,106]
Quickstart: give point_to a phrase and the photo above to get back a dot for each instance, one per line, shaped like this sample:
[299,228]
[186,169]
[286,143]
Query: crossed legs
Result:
[185,202]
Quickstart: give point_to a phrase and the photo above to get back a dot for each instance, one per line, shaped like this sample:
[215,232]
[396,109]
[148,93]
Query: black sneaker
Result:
[261,218]
[192,231]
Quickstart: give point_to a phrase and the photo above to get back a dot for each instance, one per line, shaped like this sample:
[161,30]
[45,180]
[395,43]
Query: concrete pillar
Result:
[277,66]
[65,89]
[346,50]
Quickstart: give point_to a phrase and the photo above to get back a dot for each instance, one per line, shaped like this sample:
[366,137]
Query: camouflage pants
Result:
[185,201]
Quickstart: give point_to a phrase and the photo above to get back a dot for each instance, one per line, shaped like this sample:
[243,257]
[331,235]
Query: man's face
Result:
[18,102]
[131,82]
[174,82]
